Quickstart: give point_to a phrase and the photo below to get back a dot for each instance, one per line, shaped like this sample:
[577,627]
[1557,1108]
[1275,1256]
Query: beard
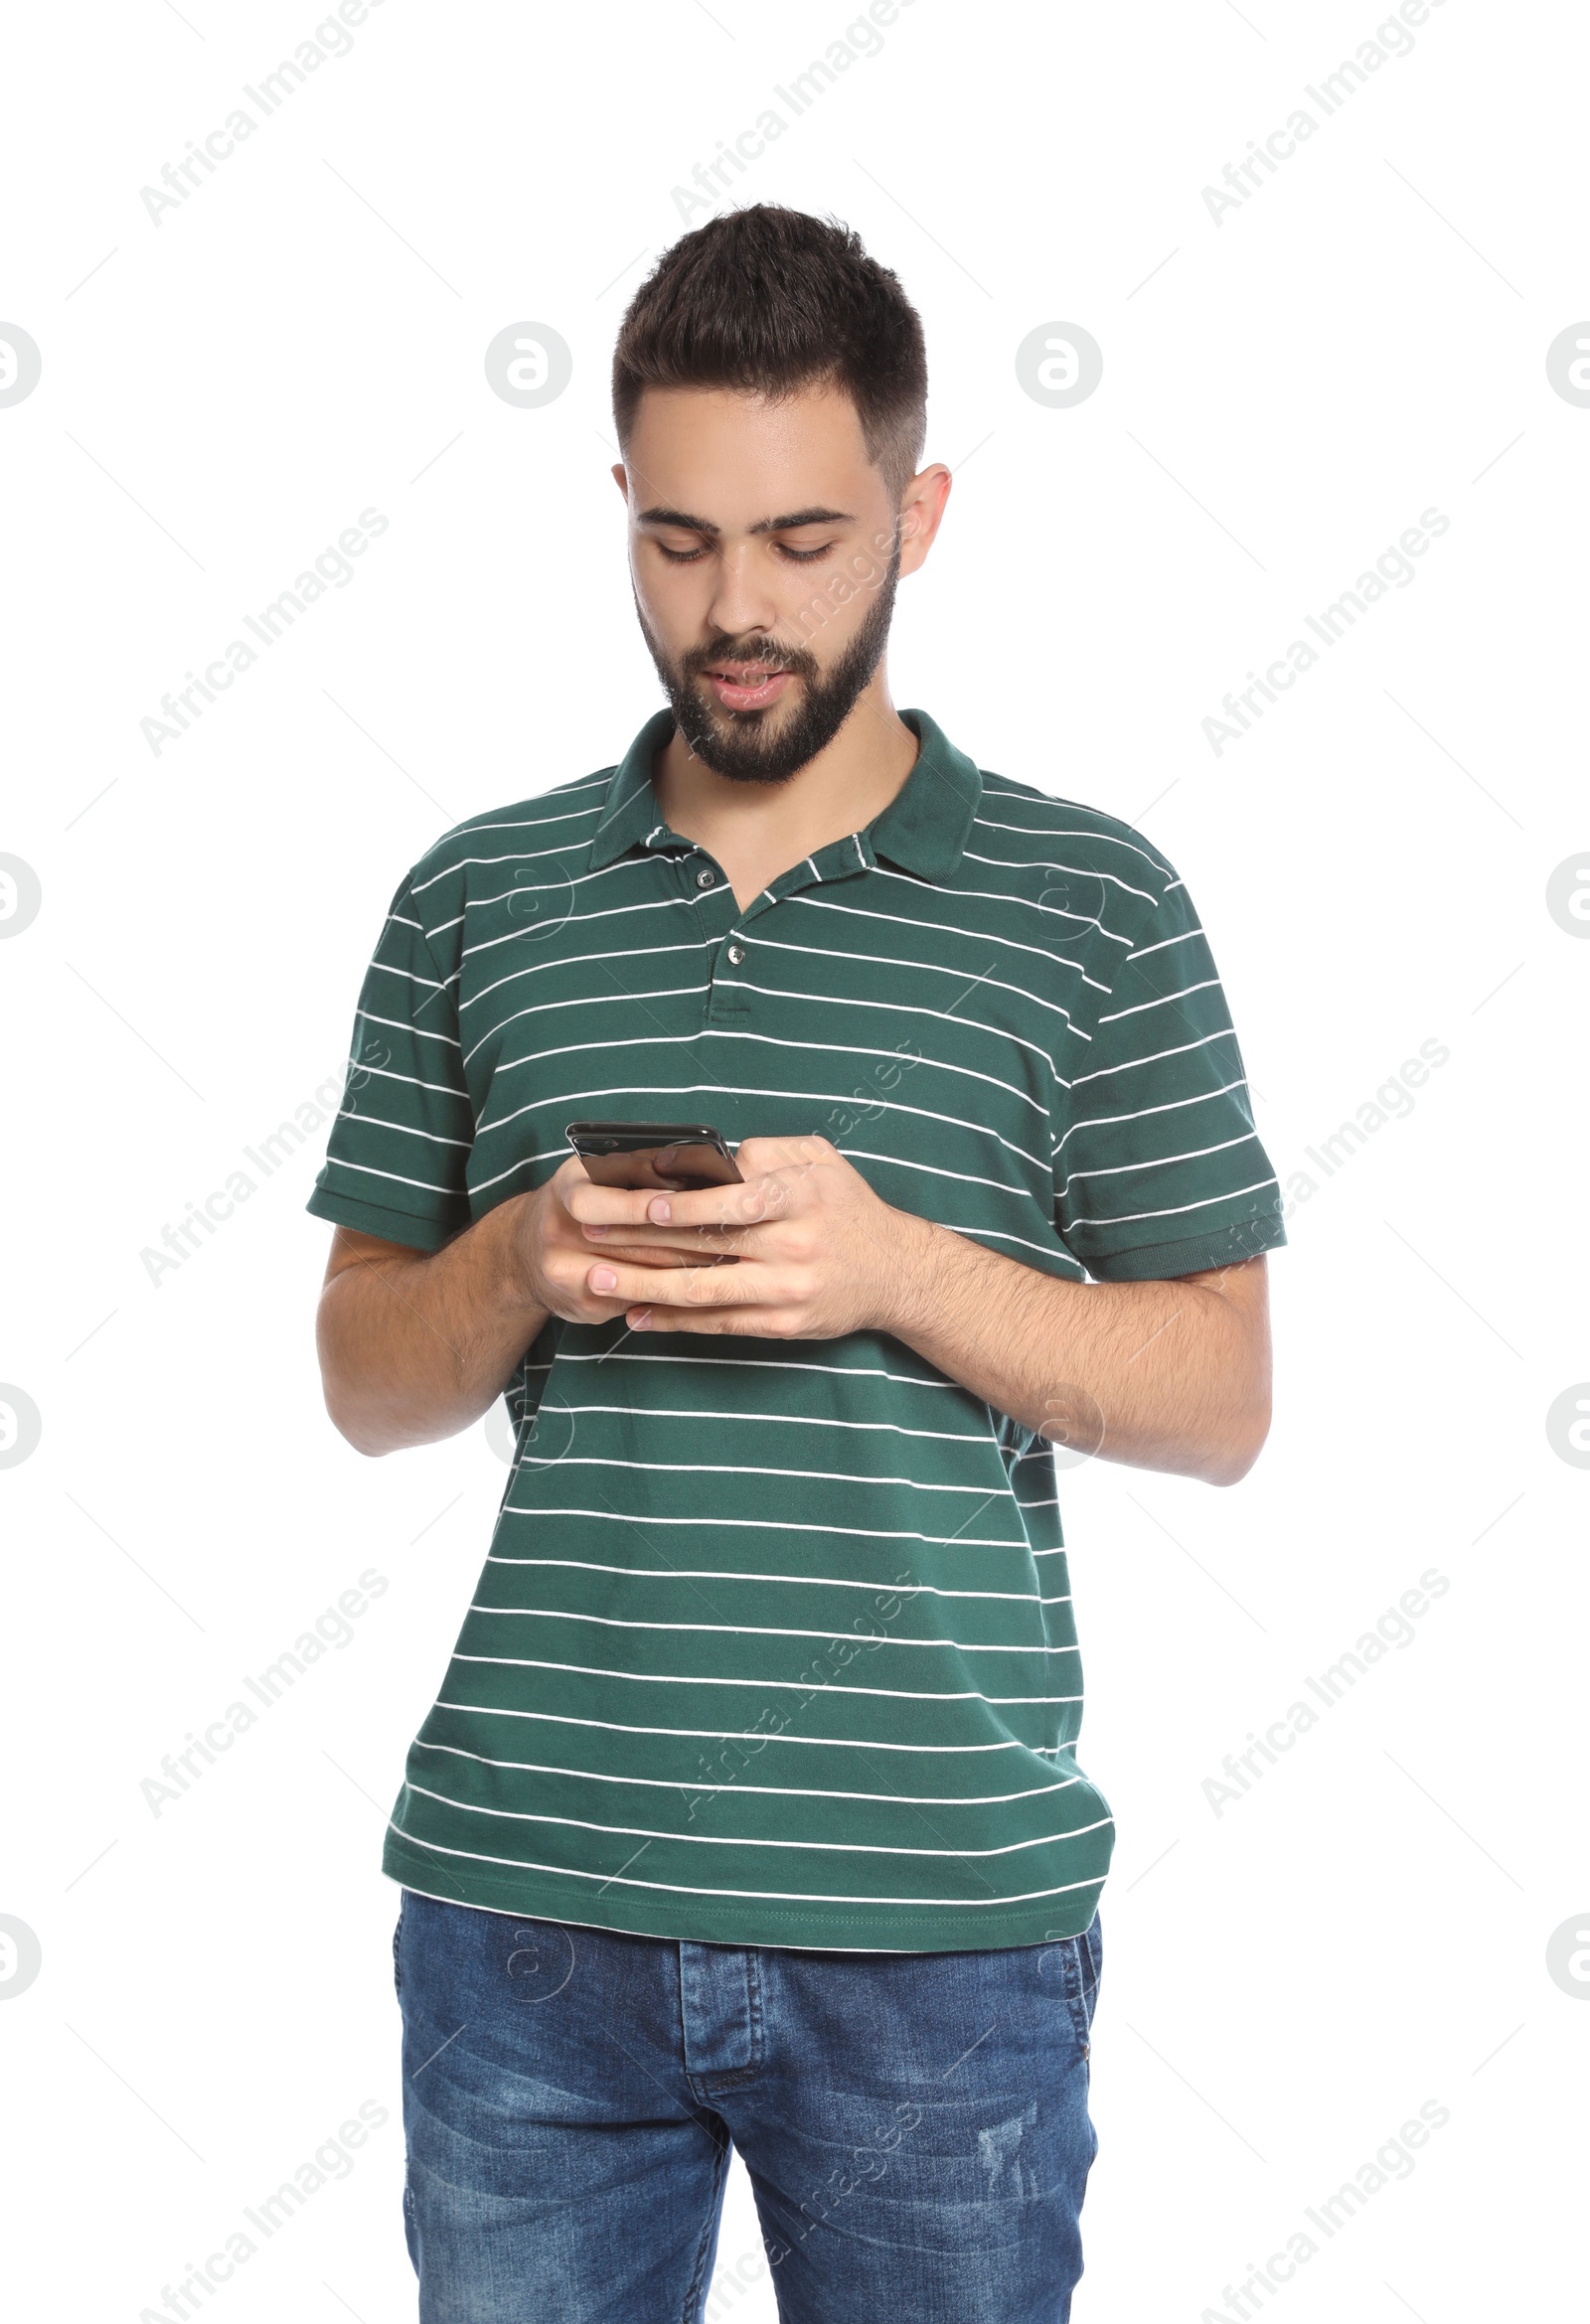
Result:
[770,745]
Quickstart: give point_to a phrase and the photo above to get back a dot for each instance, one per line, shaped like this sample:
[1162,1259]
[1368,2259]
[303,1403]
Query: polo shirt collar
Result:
[926,825]
[923,829]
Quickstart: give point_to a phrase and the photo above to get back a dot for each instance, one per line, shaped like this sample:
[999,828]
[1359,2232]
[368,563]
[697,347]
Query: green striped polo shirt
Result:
[773,1643]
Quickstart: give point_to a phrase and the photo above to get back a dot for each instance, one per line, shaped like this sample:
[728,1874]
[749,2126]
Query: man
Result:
[749,1812]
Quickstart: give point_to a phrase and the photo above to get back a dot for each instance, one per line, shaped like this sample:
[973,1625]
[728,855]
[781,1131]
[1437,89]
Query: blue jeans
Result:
[914,2125]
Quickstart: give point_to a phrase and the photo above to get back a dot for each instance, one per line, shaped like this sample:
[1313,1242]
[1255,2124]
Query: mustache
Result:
[764,651]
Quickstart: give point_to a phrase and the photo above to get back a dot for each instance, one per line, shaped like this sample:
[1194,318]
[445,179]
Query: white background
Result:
[1284,392]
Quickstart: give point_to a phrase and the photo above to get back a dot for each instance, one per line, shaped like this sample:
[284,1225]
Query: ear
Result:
[620,478]
[921,513]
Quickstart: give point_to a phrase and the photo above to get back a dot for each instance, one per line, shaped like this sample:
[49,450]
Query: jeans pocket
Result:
[1084,1961]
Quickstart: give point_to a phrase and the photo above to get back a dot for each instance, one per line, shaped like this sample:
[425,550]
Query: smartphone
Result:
[674,1156]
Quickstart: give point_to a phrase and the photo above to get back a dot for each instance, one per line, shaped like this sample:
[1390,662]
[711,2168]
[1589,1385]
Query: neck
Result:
[758,830]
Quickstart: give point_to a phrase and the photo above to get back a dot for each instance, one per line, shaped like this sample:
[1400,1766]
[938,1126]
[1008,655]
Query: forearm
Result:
[1164,1376]
[414,1349]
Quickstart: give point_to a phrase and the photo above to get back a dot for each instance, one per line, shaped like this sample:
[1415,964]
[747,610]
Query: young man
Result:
[750,1810]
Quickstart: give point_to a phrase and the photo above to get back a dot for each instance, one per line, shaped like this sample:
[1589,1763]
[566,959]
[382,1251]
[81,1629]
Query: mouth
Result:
[747,686]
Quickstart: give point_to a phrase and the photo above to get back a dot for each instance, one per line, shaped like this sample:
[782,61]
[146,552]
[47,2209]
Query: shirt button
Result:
[705,878]
[737,953]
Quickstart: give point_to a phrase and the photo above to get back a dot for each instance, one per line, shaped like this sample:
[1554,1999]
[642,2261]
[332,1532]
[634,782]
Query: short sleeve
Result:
[399,1149]
[1159,1169]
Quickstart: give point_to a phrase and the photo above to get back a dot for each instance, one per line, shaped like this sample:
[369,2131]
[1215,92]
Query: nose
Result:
[741,601]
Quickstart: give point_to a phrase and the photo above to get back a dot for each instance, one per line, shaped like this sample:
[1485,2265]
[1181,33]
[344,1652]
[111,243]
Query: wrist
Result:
[520,1248]
[910,1271]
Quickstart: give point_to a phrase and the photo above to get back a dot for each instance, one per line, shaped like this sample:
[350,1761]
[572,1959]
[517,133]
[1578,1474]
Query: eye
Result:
[680,556]
[804,557]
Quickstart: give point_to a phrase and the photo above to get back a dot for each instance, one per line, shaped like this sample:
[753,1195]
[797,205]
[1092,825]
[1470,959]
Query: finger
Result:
[592,1309]
[607,1205]
[748,1322]
[746,1204]
[781,1153]
[770,1167]
[683,1287]
[598,1205]
[611,1241]
[569,1174]
[657,1256]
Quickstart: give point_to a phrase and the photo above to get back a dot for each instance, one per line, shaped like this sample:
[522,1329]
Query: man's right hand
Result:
[414,1345]
[557,1257]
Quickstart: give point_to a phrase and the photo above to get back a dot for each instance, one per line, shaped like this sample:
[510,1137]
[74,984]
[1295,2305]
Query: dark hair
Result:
[771,300]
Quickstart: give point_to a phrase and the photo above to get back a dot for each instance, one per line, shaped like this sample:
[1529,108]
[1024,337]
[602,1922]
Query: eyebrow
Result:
[685,523]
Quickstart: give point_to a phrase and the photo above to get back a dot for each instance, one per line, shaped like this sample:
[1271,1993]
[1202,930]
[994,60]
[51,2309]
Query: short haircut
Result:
[772,300]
